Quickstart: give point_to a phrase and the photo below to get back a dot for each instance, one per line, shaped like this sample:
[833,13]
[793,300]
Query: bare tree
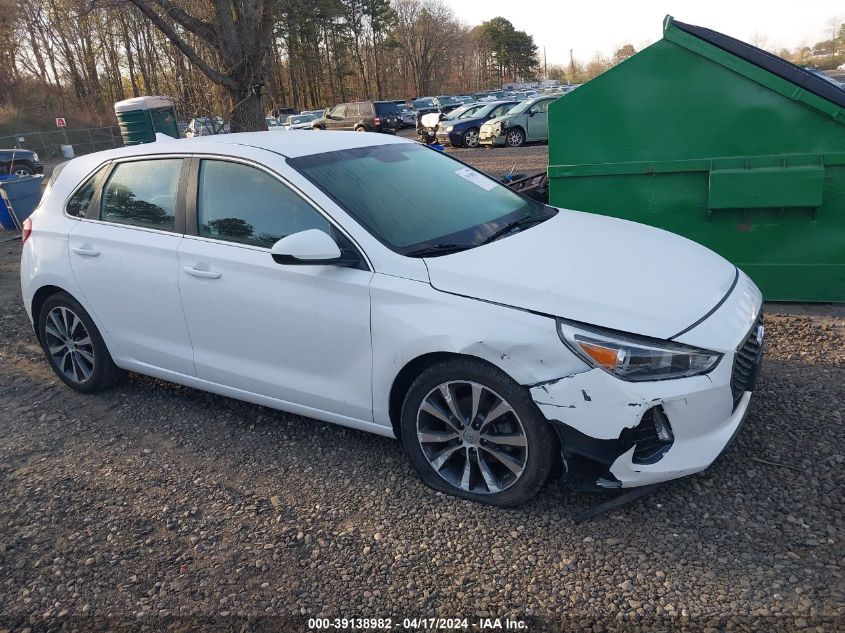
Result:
[428,32]
[236,36]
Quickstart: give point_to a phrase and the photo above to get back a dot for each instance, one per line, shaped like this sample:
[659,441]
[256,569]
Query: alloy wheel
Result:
[22,171]
[472,437]
[514,138]
[471,139]
[69,344]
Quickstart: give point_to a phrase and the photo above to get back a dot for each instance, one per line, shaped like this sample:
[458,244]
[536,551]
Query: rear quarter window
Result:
[79,202]
[366,109]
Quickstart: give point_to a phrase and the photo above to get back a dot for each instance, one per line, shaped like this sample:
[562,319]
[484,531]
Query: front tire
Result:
[470,431]
[514,137]
[21,169]
[470,138]
[73,345]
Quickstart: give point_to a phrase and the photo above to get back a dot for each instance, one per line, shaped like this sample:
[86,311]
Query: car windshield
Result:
[471,111]
[379,187]
[302,118]
[522,107]
[423,103]
[448,100]
[458,112]
[489,107]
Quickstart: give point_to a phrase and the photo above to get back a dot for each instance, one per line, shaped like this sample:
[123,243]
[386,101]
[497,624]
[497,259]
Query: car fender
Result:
[411,319]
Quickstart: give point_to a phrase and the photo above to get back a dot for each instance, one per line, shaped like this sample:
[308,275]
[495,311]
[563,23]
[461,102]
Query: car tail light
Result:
[27,230]
[377,121]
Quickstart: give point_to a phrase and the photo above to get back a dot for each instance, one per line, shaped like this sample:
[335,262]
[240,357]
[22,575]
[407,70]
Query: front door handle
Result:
[205,274]
[86,251]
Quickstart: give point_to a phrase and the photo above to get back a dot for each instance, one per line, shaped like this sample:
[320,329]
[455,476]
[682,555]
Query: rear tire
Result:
[455,445]
[74,348]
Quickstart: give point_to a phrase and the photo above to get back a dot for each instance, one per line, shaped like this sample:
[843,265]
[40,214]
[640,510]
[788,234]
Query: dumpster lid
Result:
[142,103]
[767,61]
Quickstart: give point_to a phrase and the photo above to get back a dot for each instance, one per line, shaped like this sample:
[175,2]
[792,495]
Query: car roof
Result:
[290,145]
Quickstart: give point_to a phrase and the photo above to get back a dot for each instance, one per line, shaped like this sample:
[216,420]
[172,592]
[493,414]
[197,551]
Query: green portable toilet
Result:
[721,142]
[140,118]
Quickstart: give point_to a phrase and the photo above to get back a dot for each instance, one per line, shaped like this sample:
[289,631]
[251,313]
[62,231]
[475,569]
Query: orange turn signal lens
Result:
[604,356]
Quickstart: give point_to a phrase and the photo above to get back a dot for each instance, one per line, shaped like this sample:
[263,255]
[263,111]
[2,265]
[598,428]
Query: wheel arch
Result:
[413,368]
[519,127]
[38,299]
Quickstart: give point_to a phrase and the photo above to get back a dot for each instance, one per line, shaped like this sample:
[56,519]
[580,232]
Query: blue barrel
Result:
[23,193]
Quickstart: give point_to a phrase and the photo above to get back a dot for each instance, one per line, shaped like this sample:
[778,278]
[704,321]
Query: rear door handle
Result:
[205,274]
[86,251]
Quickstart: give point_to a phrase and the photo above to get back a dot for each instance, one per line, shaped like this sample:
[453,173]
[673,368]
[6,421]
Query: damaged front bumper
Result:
[624,434]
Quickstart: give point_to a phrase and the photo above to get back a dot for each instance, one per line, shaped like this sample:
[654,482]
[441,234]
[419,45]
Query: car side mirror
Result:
[312,247]
[532,112]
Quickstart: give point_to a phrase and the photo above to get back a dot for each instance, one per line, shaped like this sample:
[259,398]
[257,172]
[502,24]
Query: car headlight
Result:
[633,357]
[34,157]
[450,128]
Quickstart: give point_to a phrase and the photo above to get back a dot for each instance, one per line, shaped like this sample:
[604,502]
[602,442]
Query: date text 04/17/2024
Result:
[454,624]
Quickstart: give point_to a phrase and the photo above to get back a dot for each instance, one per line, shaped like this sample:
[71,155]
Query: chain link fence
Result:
[48,145]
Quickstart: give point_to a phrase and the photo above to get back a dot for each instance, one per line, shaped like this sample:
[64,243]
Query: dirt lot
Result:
[163,508]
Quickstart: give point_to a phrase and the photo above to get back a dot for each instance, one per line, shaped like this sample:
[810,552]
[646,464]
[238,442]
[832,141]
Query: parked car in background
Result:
[427,123]
[206,126]
[361,116]
[20,162]
[272,123]
[463,130]
[283,111]
[525,123]
[446,103]
[313,273]
[423,105]
[407,114]
[301,121]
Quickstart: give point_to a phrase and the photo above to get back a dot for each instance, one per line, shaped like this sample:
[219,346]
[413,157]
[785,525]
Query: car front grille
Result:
[747,361]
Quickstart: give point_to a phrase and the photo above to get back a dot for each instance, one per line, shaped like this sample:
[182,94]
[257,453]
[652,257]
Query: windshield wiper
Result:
[438,249]
[515,224]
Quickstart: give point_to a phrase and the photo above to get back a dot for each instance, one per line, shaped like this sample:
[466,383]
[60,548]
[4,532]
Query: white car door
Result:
[123,256]
[295,333]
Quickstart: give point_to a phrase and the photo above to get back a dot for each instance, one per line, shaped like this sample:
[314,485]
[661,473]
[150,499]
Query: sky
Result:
[591,26]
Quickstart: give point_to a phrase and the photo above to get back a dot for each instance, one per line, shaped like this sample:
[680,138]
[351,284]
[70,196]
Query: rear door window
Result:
[143,193]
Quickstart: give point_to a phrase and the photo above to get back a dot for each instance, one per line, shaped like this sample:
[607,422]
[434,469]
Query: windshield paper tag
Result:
[475,178]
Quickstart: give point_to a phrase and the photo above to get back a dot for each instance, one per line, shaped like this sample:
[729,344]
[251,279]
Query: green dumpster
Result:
[721,142]
[140,118]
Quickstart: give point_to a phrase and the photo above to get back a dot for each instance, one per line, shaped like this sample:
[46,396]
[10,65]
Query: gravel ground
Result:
[158,507]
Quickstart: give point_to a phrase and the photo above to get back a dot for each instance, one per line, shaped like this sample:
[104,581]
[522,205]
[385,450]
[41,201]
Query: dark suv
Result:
[362,116]
[19,161]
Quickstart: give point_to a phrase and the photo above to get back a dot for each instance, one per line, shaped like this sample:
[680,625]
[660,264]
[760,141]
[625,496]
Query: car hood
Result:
[594,269]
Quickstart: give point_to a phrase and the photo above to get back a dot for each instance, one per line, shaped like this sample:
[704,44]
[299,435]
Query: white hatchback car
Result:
[492,334]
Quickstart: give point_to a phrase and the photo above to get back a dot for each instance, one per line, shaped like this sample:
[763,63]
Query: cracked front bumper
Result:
[605,413]
[617,433]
